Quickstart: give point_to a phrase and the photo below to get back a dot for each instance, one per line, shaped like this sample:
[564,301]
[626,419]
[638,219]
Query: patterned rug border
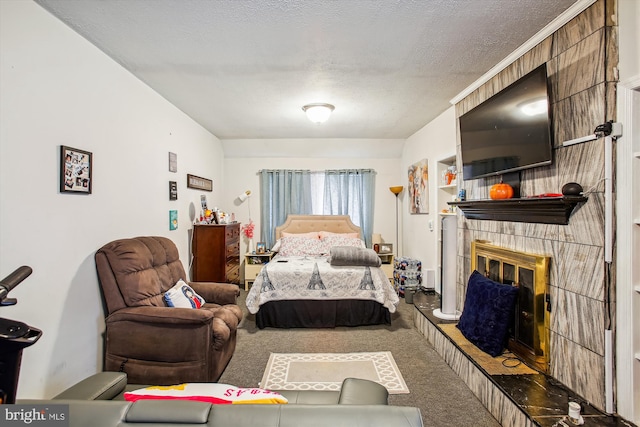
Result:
[275,373]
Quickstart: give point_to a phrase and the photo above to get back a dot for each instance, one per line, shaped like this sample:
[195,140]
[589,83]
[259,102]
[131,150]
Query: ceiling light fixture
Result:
[318,113]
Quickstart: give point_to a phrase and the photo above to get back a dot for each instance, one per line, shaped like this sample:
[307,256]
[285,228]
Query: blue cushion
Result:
[488,311]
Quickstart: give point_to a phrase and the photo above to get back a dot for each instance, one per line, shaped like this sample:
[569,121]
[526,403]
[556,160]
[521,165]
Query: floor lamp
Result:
[397,190]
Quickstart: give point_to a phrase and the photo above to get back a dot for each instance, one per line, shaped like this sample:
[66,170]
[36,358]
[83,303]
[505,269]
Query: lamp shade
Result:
[397,189]
[318,113]
[244,196]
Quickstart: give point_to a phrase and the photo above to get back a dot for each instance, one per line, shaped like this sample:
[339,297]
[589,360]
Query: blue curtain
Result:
[351,192]
[282,192]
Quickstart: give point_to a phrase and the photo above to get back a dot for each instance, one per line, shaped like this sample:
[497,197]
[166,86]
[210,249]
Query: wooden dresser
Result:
[216,253]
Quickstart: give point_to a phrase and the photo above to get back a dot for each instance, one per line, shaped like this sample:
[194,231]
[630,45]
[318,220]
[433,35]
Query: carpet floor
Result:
[443,398]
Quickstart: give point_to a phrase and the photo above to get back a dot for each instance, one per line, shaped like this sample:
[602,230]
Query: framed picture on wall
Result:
[173,190]
[75,170]
[199,183]
[419,187]
[386,248]
[173,162]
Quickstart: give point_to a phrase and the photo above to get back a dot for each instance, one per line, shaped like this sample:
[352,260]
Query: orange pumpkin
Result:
[501,191]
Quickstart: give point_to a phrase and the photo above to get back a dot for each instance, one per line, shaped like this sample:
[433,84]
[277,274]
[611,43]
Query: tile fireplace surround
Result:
[514,400]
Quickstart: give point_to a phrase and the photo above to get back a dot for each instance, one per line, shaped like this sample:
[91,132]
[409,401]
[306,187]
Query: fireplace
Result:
[529,330]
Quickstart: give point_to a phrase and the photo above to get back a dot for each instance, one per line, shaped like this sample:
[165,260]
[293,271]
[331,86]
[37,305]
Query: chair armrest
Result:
[101,386]
[219,293]
[162,315]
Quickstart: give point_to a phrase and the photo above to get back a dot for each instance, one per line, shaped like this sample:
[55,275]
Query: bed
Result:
[304,287]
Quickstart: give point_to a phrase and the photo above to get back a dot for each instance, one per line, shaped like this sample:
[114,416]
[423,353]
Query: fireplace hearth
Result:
[529,329]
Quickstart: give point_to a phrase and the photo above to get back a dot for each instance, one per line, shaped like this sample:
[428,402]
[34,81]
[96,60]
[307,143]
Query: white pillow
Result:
[302,246]
[309,235]
[324,234]
[340,240]
[183,295]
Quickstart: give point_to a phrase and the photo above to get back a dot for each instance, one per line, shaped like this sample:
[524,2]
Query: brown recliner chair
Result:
[150,341]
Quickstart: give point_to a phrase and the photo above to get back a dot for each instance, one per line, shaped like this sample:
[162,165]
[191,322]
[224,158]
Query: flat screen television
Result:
[510,131]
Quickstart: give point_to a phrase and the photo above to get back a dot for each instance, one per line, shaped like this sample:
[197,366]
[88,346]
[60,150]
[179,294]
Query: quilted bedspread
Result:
[314,278]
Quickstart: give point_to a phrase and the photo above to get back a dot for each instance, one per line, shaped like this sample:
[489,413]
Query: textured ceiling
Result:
[244,68]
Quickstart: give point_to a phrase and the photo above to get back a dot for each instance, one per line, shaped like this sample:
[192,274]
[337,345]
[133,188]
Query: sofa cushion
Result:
[183,295]
[488,311]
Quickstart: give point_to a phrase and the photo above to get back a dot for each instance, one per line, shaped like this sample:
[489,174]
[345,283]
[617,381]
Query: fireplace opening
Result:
[529,329]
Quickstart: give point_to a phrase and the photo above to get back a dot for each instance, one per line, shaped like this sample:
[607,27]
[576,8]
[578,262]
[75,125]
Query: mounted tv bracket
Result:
[609,128]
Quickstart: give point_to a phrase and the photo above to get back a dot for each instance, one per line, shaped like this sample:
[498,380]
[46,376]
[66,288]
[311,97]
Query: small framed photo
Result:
[75,170]
[173,162]
[261,248]
[386,248]
[173,190]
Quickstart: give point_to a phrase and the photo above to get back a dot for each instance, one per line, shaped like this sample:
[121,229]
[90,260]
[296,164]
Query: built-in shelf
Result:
[636,154]
[543,210]
[637,356]
[444,187]
[636,221]
[637,288]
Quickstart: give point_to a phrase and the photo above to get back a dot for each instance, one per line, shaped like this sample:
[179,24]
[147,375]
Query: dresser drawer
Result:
[233,274]
[233,252]
[232,233]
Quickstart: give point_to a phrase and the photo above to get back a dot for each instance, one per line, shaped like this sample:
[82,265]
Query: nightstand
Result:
[387,264]
[253,263]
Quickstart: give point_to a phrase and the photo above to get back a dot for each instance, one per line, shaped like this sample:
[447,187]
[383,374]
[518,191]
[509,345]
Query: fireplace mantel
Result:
[543,210]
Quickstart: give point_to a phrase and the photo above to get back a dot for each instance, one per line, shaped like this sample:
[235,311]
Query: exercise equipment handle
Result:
[13,280]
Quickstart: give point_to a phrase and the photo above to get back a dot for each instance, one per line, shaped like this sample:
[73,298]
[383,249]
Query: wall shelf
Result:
[444,187]
[551,210]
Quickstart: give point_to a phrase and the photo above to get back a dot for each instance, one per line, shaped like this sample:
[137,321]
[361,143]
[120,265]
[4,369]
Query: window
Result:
[331,192]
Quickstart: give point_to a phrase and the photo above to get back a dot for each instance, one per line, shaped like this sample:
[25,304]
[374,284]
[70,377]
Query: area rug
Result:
[326,371]
[492,365]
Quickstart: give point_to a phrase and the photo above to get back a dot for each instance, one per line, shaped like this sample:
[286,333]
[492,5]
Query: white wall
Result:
[435,141]
[628,36]
[57,89]
[241,173]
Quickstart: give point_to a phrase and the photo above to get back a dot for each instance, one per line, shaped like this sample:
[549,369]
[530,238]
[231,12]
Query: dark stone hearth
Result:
[543,399]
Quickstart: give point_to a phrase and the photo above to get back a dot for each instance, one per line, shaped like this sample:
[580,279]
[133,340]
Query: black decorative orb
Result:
[572,189]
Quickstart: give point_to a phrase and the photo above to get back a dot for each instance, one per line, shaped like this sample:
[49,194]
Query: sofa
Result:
[98,402]
[146,337]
